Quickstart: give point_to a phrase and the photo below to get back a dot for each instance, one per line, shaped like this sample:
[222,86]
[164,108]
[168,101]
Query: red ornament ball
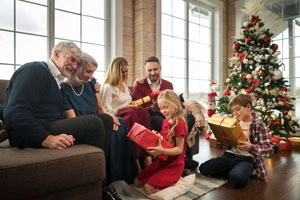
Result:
[274,47]
[226,92]
[284,89]
[247,40]
[236,46]
[266,62]
[285,112]
[267,40]
[256,95]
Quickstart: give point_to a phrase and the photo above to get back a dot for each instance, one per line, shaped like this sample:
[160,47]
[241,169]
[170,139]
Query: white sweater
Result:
[113,99]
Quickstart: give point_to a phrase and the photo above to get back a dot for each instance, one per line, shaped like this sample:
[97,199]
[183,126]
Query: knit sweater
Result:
[32,99]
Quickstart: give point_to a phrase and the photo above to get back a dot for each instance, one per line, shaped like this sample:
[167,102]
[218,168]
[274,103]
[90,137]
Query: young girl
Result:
[160,173]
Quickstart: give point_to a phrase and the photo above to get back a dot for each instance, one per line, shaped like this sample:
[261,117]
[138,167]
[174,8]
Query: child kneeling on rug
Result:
[239,162]
[161,174]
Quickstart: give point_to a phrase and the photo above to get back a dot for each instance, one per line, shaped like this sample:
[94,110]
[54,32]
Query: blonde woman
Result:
[116,98]
[114,92]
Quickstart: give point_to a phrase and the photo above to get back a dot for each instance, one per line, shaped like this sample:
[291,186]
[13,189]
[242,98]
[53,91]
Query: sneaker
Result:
[190,164]
[111,194]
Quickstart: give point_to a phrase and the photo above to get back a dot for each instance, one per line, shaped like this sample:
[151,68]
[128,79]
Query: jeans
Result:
[237,168]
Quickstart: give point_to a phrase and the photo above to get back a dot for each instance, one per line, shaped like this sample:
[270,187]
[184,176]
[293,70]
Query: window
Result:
[289,45]
[24,35]
[186,47]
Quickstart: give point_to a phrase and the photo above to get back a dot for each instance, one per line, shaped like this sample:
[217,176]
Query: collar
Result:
[150,83]
[55,72]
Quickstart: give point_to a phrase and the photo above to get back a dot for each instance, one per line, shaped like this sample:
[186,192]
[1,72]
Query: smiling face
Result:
[66,61]
[242,113]
[166,108]
[153,70]
[87,73]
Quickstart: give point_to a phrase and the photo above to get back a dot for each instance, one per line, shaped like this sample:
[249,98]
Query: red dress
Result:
[161,174]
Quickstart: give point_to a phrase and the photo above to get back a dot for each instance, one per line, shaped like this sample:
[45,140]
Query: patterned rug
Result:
[201,186]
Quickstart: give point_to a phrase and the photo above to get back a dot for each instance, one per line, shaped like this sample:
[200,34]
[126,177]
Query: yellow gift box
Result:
[141,101]
[227,130]
[295,142]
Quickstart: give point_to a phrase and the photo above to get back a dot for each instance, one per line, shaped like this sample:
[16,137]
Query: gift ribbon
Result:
[227,138]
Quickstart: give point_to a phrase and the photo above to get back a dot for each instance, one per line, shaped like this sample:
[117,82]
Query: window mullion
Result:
[51,25]
[15,36]
[187,50]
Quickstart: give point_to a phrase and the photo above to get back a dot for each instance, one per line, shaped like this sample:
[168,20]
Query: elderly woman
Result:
[81,98]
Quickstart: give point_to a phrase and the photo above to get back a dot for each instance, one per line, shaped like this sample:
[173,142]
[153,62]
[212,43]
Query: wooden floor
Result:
[283,182]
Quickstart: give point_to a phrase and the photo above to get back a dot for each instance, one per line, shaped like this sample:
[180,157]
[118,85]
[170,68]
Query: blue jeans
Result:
[237,168]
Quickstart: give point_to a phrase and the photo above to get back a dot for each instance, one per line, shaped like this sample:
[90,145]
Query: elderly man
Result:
[33,108]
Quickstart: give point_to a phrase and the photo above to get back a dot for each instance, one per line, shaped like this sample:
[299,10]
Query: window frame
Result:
[216,9]
[50,34]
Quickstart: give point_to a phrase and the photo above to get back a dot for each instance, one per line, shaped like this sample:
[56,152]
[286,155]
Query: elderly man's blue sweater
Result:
[32,99]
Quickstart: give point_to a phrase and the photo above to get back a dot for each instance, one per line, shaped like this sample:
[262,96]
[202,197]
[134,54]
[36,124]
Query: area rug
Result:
[201,186]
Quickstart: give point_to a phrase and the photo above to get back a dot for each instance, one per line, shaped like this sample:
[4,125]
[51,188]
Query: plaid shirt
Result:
[261,146]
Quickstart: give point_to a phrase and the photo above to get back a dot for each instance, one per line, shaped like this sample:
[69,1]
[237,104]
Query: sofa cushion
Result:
[31,172]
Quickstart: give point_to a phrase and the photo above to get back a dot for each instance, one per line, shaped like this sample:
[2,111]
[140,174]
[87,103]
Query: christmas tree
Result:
[255,69]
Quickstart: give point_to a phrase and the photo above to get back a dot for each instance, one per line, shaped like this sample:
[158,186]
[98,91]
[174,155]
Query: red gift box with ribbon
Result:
[283,143]
[146,138]
[227,130]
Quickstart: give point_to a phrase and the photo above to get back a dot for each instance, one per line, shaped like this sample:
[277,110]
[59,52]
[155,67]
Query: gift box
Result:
[295,142]
[227,130]
[152,97]
[146,138]
[285,145]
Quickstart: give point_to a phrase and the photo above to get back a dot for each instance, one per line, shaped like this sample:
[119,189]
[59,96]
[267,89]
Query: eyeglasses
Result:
[72,59]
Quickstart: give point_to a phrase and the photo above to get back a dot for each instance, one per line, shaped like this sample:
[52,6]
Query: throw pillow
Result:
[181,187]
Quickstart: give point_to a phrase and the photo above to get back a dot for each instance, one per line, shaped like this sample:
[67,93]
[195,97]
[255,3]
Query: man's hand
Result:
[244,146]
[61,141]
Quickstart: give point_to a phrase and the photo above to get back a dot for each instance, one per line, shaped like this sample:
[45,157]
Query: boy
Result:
[239,162]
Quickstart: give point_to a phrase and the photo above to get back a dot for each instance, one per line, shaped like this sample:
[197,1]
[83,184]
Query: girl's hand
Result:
[154,151]
[244,146]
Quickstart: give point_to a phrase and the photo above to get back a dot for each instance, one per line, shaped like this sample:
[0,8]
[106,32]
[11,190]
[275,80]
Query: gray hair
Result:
[85,60]
[66,45]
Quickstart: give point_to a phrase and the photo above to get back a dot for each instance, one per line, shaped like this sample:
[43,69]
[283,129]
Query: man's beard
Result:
[153,78]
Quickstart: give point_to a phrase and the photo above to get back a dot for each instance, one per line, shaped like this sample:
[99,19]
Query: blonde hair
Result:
[85,60]
[114,72]
[171,97]
[241,99]
[66,45]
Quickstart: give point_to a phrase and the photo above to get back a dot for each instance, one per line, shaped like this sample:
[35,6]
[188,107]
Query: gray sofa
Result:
[73,173]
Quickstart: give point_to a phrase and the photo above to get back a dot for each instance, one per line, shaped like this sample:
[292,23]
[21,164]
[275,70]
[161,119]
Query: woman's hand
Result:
[116,122]
[97,87]
[154,151]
